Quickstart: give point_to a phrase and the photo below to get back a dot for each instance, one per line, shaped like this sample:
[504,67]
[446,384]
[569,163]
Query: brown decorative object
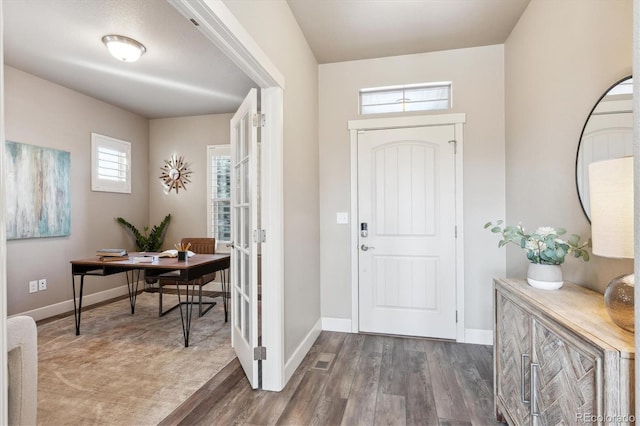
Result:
[618,298]
[175,173]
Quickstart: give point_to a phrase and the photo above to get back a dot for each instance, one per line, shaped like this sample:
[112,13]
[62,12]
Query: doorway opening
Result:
[219,25]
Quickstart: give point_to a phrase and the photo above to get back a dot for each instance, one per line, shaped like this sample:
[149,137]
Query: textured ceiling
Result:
[344,30]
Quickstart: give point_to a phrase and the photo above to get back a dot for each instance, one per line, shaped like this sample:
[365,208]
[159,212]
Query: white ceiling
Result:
[182,72]
[345,30]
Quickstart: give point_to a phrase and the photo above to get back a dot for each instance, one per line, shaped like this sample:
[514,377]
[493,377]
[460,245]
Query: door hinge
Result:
[259,120]
[455,145]
[259,353]
[456,317]
[455,231]
[259,236]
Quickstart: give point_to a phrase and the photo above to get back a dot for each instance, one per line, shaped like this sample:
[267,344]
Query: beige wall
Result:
[477,81]
[273,27]
[187,137]
[41,113]
[559,60]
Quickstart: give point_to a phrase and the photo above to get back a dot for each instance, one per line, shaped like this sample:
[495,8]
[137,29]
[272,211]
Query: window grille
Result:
[414,97]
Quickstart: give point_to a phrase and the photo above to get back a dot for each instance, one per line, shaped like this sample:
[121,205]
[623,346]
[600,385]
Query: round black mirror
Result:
[607,134]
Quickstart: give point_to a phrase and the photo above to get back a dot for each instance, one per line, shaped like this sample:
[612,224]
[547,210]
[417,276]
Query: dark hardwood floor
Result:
[357,379]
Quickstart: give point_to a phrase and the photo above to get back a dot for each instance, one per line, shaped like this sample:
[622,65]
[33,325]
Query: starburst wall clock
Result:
[175,174]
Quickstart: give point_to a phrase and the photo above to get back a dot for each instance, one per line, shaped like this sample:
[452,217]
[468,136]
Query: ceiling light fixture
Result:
[124,48]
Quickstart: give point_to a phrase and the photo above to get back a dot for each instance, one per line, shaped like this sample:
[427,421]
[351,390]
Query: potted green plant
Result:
[545,250]
[147,240]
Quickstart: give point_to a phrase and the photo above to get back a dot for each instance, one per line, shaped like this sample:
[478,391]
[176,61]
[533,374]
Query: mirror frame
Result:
[604,94]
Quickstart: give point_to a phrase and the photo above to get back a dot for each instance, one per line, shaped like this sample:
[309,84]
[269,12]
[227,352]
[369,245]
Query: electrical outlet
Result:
[33,286]
[42,284]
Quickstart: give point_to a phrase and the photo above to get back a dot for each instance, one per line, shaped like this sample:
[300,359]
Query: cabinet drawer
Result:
[513,336]
[568,376]
[562,345]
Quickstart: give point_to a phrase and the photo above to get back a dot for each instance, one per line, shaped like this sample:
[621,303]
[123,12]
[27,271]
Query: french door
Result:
[244,221]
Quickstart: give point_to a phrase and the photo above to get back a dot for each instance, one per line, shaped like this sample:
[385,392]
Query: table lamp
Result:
[611,193]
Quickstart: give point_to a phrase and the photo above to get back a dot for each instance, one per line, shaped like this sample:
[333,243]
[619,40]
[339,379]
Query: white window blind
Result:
[219,182]
[413,97]
[110,164]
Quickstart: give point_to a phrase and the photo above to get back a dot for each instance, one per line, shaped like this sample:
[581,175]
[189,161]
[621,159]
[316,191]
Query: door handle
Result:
[522,372]
[365,247]
[533,409]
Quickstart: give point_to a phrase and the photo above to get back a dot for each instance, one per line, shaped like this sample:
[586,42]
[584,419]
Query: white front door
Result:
[406,208]
[244,219]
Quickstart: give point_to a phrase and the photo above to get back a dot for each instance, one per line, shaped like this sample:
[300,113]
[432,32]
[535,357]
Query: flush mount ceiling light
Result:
[124,48]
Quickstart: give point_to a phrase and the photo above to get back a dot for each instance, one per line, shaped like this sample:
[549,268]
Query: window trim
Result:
[105,185]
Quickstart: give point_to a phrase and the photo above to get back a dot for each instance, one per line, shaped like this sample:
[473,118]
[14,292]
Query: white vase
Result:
[545,277]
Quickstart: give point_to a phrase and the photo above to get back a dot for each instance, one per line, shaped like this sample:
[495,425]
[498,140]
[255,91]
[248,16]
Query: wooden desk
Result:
[187,271]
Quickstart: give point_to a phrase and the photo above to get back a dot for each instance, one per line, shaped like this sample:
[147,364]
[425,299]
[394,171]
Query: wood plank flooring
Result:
[357,379]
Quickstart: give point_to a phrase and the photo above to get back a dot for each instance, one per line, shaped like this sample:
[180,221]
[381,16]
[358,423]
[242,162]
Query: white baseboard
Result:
[301,351]
[67,306]
[336,324]
[478,336]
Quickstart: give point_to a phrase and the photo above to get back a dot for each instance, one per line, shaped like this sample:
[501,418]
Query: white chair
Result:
[22,360]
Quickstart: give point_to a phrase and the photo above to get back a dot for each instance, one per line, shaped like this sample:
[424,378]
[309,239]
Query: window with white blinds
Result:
[219,191]
[412,97]
[110,164]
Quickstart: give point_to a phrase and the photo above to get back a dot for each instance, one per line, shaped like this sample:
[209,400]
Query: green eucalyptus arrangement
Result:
[147,240]
[544,245]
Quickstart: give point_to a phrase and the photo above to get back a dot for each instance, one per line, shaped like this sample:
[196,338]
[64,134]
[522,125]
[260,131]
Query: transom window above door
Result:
[411,97]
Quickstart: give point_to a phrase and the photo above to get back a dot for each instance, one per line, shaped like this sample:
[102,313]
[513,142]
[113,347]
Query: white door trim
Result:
[4,410]
[220,26]
[354,126]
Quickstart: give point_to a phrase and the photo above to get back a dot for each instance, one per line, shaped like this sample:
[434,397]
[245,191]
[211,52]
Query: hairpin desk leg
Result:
[77,306]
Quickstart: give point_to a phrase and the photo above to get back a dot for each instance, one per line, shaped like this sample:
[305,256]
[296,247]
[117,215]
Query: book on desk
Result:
[112,254]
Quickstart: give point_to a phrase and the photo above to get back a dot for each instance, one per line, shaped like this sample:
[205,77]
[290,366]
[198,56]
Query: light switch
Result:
[342,218]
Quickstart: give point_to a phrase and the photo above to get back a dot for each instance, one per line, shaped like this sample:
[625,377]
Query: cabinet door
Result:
[566,377]
[512,369]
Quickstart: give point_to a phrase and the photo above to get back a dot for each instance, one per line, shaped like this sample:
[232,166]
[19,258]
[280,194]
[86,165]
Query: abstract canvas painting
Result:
[38,196]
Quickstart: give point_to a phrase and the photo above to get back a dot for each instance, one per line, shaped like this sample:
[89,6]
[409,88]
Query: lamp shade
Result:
[611,193]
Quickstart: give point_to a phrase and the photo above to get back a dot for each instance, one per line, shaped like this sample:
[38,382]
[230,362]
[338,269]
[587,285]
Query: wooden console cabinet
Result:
[558,358]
